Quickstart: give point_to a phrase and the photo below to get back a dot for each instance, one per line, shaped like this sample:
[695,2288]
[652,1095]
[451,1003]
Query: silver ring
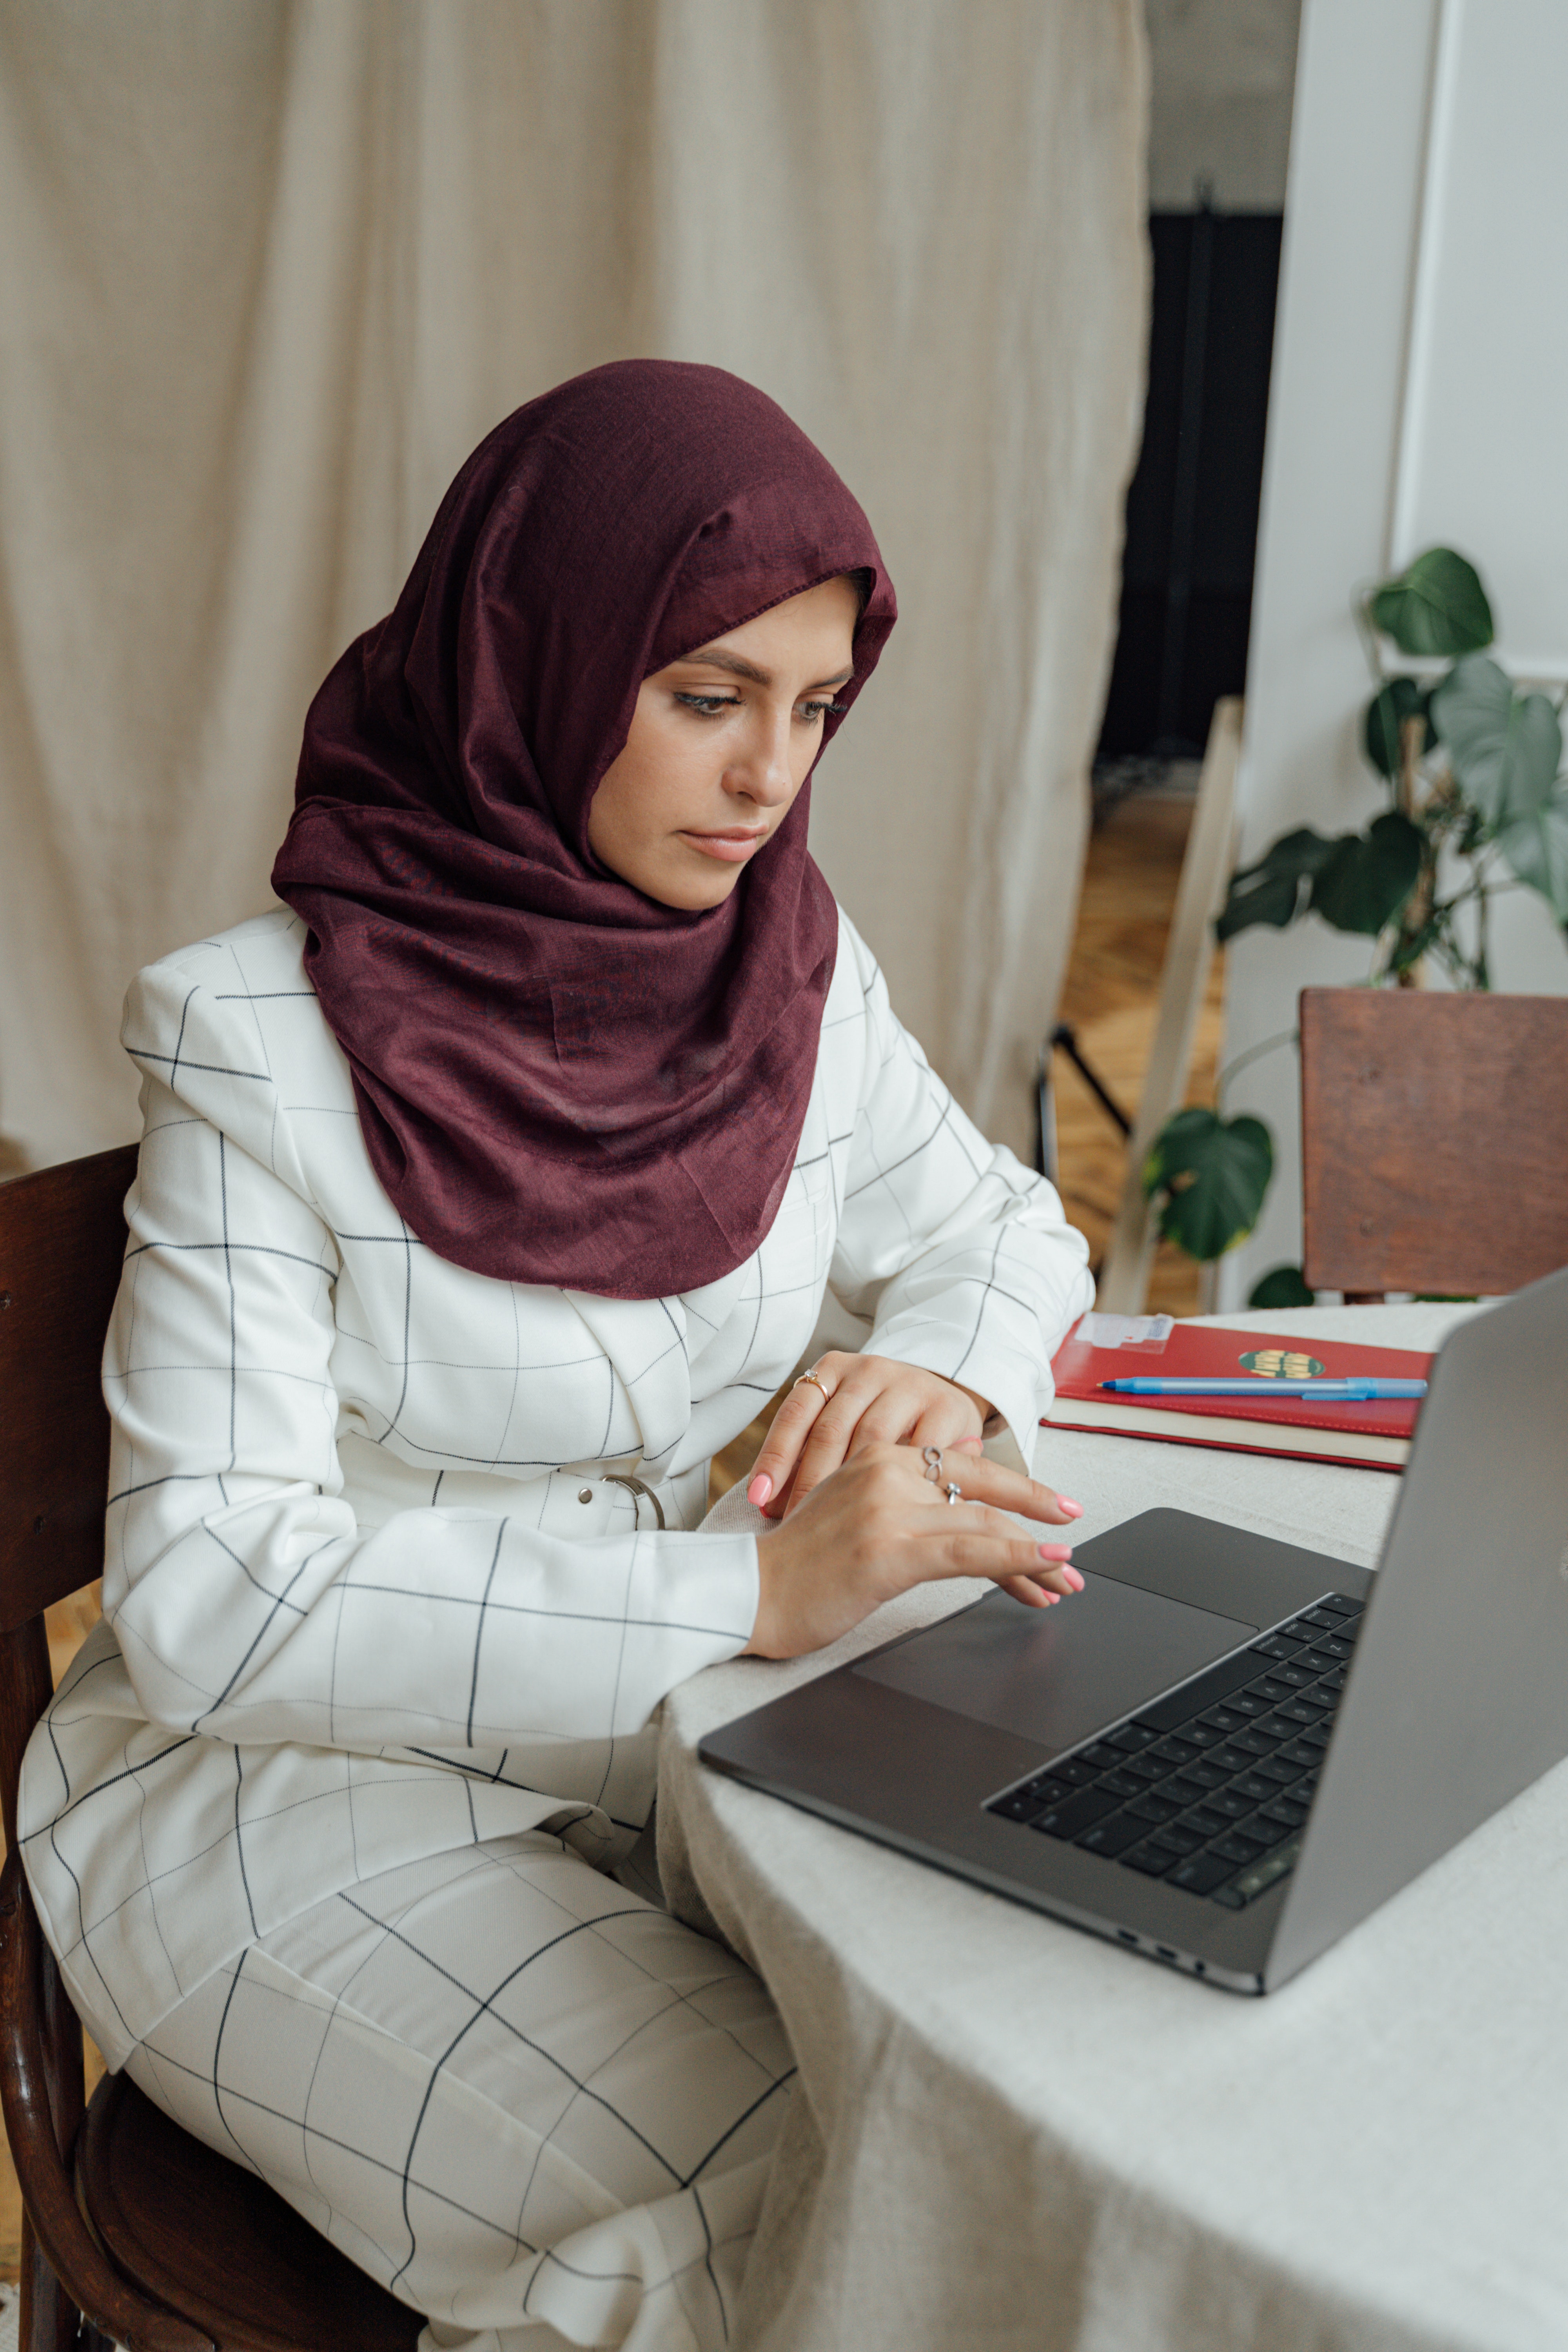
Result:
[932,1456]
[954,1494]
[816,1384]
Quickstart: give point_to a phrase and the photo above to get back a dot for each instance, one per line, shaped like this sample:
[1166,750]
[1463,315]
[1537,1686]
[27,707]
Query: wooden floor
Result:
[1111,1000]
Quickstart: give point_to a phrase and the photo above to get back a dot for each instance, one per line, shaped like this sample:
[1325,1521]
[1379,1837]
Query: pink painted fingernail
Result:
[1056,1552]
[1075,1579]
[760,1489]
[1064,1503]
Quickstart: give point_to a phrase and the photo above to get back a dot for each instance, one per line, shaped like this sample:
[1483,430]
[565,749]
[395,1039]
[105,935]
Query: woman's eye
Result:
[709,705]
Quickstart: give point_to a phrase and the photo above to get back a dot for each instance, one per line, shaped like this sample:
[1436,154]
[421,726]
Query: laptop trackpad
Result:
[1056,1676]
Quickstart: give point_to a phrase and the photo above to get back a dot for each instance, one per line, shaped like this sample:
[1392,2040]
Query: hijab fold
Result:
[560,1080]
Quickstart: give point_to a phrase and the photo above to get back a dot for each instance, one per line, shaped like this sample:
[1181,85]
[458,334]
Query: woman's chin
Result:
[692,893]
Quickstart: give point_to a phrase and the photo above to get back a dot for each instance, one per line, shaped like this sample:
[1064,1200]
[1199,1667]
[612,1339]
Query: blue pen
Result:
[1331,1392]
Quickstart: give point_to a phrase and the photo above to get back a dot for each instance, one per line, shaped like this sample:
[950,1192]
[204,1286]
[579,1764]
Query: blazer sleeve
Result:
[960,1257]
[247,1603]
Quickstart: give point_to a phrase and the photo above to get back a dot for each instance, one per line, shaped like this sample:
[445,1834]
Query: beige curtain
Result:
[270,269]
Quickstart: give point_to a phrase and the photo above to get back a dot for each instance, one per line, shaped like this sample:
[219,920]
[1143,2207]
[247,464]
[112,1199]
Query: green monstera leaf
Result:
[1370,876]
[1506,747]
[1437,605]
[1357,881]
[1271,892]
[1401,699]
[1535,843]
[1213,1173]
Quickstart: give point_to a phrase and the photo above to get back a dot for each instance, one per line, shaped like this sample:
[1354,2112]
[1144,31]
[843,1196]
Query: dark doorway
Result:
[1192,507]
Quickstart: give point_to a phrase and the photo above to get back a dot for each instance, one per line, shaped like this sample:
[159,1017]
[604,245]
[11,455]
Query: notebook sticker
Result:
[1149,1332]
[1282,1363]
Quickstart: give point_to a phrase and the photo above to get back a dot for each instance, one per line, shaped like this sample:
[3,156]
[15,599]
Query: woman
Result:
[486,1187]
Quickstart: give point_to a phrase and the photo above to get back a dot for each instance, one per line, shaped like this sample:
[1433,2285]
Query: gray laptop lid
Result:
[1458,1696]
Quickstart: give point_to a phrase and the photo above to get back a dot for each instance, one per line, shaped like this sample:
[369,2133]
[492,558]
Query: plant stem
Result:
[1253,1054]
[1416,912]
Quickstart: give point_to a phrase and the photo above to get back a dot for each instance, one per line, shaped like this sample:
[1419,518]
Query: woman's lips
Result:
[731,847]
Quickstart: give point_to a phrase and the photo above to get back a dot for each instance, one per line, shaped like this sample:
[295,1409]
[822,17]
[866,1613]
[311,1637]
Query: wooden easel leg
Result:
[1205,866]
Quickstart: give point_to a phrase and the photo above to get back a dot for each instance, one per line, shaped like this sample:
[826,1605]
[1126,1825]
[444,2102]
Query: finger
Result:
[885,1420]
[992,1482]
[825,1449]
[965,1515]
[914,1408]
[780,1450]
[948,1413]
[1033,1596]
[780,1503]
[897,1409]
[836,1432]
[1048,1584]
[978,1550]
[890,1419]
[969,1518]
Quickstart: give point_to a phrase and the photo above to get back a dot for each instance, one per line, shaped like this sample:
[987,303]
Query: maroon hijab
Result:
[559,1079]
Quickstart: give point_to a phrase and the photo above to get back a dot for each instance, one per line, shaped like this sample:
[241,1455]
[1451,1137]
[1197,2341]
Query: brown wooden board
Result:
[62,1239]
[1434,1139]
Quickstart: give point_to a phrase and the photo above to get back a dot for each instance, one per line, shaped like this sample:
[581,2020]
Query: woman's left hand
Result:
[868,1400]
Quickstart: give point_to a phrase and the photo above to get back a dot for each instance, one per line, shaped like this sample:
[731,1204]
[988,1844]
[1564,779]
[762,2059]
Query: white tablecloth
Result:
[1009,2135]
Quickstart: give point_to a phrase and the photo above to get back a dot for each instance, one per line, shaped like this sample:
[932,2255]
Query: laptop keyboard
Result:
[1208,1789]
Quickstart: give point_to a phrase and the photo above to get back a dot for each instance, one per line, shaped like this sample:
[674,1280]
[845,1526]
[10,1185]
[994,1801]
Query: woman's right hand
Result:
[880,1524]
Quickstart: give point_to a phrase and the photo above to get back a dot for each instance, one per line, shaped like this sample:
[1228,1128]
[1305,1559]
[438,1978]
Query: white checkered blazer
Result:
[368,1593]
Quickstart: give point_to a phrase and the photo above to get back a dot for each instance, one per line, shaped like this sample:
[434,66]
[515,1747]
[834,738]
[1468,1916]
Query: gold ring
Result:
[816,1384]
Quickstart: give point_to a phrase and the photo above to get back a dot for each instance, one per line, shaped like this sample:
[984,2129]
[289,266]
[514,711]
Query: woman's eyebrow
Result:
[716,657]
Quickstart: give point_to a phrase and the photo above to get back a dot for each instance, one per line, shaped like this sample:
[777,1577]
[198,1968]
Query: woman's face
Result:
[719,746]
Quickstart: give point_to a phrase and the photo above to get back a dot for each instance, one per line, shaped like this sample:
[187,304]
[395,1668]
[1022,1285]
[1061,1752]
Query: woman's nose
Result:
[763,772]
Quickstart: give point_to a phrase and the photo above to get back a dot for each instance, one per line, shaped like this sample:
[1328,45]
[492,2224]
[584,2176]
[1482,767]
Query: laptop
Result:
[1227,1750]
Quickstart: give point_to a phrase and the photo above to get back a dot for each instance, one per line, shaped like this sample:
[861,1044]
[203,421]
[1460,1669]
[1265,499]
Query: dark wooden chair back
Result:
[132,2231]
[1434,1140]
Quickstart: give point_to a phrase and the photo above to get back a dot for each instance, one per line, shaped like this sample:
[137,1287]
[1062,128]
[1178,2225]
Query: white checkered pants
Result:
[536,2107]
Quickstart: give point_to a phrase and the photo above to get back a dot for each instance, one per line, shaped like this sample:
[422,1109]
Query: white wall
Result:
[1420,358]
[1220,79]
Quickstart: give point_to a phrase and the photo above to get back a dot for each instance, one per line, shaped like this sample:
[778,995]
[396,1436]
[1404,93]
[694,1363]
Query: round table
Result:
[1006,2134]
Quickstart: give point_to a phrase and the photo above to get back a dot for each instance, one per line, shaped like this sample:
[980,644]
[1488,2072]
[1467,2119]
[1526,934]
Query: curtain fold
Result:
[270,272]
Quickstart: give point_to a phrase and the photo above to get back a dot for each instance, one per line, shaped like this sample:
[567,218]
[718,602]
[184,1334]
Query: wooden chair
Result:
[134,2232]
[1434,1140]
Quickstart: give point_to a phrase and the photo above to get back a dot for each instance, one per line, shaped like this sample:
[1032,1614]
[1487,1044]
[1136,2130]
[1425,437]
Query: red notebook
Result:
[1375,1433]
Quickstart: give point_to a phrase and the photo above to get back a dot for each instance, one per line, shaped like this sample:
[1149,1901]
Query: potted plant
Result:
[1477,804]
